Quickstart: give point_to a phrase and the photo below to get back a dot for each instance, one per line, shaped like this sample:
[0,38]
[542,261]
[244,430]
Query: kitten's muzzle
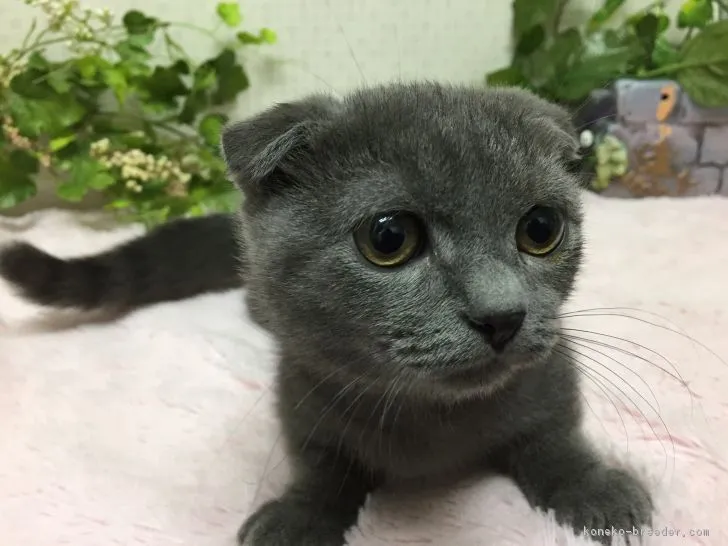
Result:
[498,329]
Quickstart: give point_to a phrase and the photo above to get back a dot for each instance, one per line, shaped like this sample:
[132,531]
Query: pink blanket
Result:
[157,429]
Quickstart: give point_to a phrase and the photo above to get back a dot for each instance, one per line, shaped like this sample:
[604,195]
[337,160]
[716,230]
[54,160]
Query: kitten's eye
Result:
[540,231]
[391,239]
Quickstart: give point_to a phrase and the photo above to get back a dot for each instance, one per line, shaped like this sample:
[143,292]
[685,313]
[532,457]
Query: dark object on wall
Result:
[647,138]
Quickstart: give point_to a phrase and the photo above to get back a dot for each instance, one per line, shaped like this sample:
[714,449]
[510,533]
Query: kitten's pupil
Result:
[387,235]
[540,228]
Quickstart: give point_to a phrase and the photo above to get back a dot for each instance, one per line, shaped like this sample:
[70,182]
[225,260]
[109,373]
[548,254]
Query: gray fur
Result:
[395,383]
[175,261]
[385,374]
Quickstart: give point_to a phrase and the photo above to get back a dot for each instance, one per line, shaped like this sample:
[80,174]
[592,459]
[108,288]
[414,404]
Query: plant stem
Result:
[190,26]
[170,45]
[170,128]
[164,124]
[688,35]
[43,43]
[669,69]
[30,32]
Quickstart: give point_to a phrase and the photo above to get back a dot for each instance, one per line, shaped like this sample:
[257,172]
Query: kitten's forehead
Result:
[507,118]
[447,151]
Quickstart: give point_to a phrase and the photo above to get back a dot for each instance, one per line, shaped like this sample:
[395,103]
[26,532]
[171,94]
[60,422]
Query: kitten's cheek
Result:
[530,343]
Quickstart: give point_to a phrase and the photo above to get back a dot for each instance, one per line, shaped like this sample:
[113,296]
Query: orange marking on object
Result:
[665,131]
[668,98]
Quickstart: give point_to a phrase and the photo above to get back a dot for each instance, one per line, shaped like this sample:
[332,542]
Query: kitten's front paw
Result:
[287,523]
[602,504]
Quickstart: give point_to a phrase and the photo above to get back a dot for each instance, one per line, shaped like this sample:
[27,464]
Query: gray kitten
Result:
[409,248]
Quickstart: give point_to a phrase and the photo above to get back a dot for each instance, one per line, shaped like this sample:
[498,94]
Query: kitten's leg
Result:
[319,506]
[564,473]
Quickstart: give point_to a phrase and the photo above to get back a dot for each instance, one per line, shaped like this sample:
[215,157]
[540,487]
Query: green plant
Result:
[566,64]
[125,111]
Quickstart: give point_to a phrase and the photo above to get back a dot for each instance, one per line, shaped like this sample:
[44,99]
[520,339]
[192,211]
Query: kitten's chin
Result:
[488,375]
[484,376]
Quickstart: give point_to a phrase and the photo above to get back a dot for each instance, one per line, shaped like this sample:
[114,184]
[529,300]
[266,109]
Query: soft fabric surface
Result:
[157,429]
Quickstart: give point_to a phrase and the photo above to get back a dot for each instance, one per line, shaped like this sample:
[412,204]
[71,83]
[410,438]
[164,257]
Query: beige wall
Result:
[321,42]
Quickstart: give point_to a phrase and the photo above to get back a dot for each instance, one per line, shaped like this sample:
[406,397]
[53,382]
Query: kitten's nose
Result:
[499,329]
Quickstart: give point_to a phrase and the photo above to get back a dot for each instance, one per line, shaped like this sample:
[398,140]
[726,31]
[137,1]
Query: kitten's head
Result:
[424,232]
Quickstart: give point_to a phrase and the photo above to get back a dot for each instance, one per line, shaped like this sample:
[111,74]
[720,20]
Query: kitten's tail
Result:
[177,260]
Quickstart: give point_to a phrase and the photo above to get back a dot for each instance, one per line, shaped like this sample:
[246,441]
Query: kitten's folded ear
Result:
[563,130]
[255,148]
[565,134]
[550,127]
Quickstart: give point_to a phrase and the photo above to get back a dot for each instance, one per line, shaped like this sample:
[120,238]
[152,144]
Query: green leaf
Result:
[36,118]
[216,79]
[505,77]
[181,67]
[565,49]
[265,36]
[231,78]
[165,84]
[134,58]
[204,77]
[85,174]
[21,189]
[71,192]
[229,12]
[227,201]
[31,83]
[193,105]
[664,53]
[60,79]
[136,22]
[89,66]
[16,178]
[61,142]
[142,40]
[527,15]
[14,188]
[130,50]
[115,78]
[152,217]
[42,79]
[111,124]
[248,38]
[268,36]
[656,10]
[137,139]
[604,14]
[647,29]
[704,65]
[210,128]
[531,40]
[663,23]
[695,14]
[37,61]
[23,161]
[119,204]
[101,181]
[545,66]
[222,197]
[592,72]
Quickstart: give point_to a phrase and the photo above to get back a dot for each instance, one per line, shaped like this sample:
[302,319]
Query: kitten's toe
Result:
[606,503]
[286,523]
